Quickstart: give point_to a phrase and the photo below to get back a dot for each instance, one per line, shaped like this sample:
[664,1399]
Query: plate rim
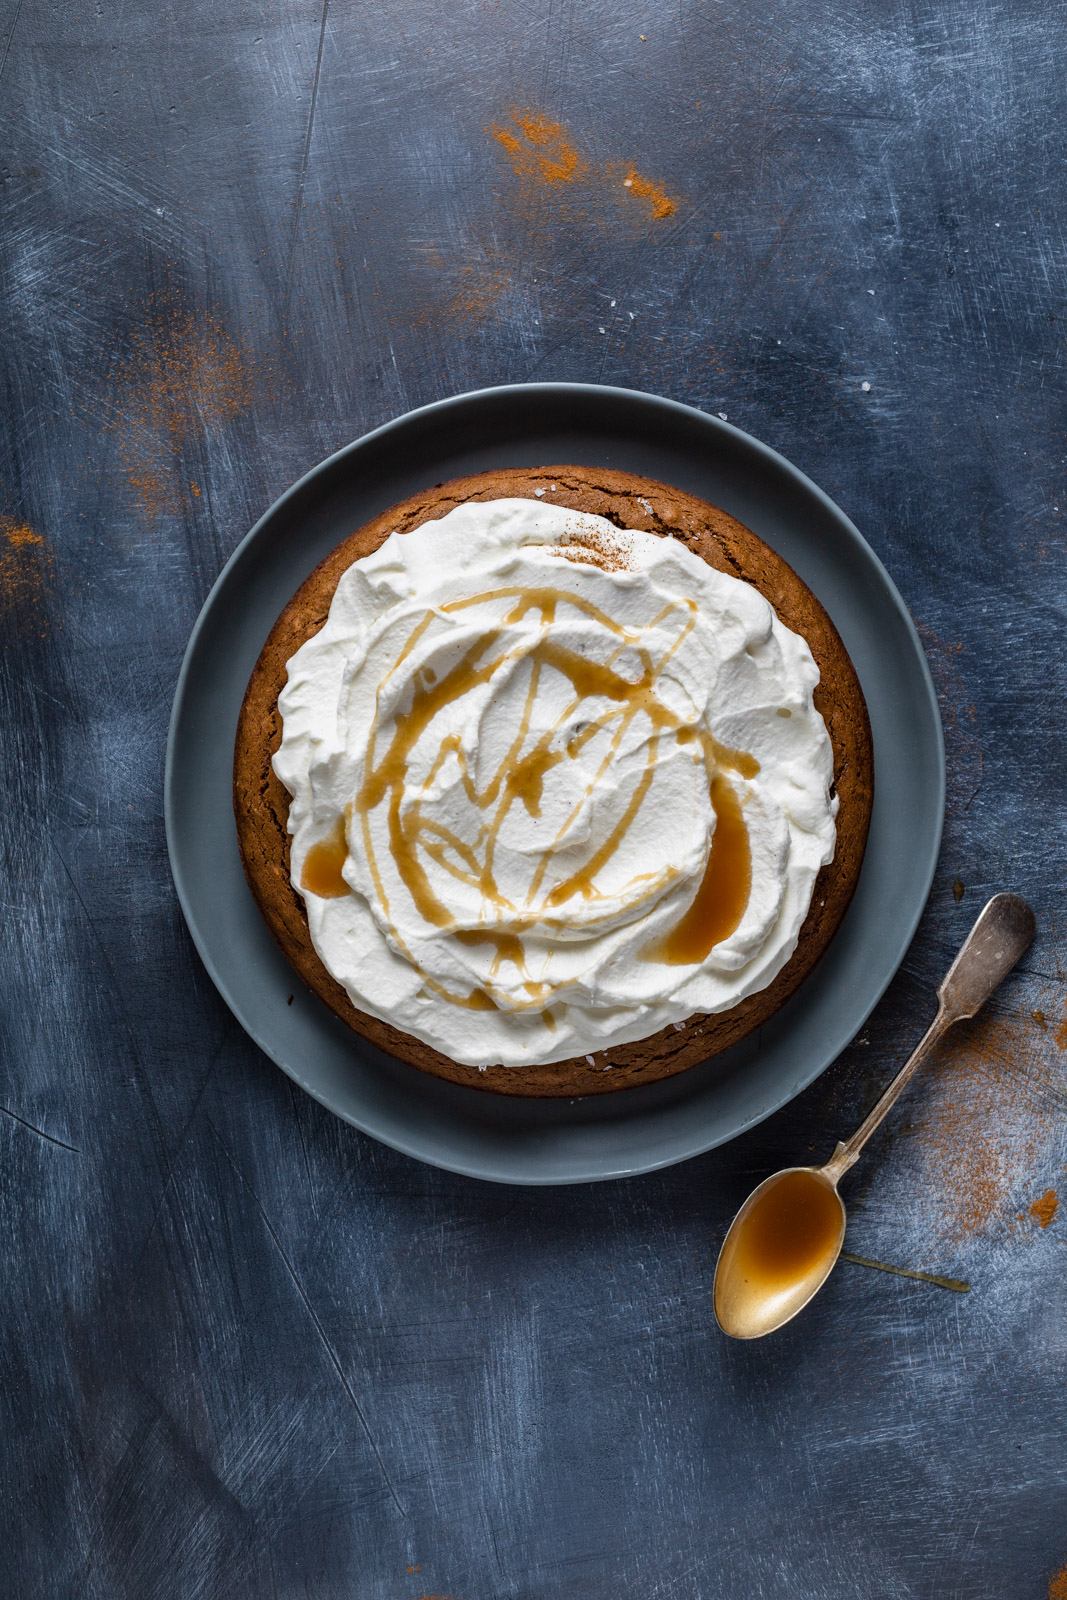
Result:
[704,419]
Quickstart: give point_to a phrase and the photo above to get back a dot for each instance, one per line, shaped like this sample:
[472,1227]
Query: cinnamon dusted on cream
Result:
[554,784]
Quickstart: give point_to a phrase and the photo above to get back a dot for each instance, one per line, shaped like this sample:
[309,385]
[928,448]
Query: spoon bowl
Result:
[779,1251]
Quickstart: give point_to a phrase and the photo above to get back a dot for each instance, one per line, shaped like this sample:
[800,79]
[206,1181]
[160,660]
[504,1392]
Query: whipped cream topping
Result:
[554,785]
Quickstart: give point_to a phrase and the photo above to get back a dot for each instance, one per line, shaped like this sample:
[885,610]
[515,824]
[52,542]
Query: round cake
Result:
[553,781]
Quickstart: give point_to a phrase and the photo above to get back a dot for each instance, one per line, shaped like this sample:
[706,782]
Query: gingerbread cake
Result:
[534,846]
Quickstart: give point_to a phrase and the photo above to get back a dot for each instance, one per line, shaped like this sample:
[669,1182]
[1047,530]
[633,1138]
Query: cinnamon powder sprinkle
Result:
[1061,1033]
[1057,1589]
[644,189]
[478,294]
[539,148]
[27,565]
[1044,1210]
[989,1121]
[596,548]
[546,157]
[185,377]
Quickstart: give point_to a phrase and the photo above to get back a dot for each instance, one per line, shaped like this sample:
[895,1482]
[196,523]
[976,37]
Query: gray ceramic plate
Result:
[604,1136]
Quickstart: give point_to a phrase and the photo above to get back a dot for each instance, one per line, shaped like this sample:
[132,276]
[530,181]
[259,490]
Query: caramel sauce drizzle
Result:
[322,874]
[720,901]
[723,894]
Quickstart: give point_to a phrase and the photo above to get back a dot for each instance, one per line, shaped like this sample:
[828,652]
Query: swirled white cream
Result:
[573,778]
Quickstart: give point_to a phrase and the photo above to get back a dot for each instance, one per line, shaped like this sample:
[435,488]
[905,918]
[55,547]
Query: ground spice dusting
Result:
[479,293]
[559,186]
[988,1124]
[1044,1210]
[596,548]
[644,189]
[547,158]
[539,148]
[1061,1032]
[184,378]
[1057,1589]
[27,565]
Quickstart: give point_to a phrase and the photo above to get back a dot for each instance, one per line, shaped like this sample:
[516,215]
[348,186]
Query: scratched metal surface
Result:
[246,1351]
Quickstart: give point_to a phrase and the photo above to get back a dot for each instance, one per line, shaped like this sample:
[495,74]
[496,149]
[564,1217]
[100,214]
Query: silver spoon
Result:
[785,1240]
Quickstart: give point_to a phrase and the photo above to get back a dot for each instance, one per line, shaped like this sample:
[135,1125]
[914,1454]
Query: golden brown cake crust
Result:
[261,803]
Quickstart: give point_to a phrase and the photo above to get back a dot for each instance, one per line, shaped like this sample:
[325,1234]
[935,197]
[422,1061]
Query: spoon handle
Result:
[1001,936]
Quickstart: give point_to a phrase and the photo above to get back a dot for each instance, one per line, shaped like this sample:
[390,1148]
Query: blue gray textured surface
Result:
[247,1351]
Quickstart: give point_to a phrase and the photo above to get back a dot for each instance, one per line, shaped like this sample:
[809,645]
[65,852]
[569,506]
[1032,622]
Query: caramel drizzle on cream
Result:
[720,901]
[323,872]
